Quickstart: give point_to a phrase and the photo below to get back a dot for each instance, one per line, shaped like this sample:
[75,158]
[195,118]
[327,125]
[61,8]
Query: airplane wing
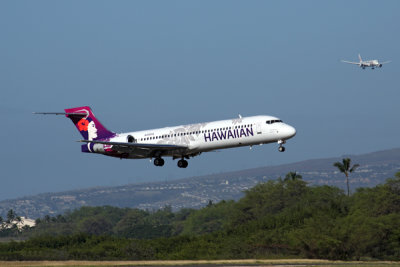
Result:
[385,62]
[350,62]
[135,147]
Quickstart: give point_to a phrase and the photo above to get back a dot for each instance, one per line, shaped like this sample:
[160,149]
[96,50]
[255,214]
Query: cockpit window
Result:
[273,121]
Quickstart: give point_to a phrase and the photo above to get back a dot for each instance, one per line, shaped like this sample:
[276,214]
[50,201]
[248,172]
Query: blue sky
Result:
[149,64]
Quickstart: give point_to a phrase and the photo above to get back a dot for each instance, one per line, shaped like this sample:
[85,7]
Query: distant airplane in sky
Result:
[179,142]
[367,63]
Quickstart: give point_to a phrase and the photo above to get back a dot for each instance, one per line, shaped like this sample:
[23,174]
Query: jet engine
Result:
[131,139]
[98,148]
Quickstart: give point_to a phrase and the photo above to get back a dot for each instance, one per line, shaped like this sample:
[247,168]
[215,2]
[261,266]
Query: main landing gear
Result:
[182,163]
[281,147]
[159,162]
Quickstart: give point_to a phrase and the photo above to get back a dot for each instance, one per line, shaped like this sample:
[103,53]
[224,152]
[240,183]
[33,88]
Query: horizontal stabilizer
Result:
[61,113]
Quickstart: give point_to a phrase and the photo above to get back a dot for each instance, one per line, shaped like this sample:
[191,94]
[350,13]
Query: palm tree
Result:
[292,176]
[344,167]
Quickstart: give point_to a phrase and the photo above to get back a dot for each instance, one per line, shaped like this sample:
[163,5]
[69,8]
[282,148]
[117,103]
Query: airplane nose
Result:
[289,131]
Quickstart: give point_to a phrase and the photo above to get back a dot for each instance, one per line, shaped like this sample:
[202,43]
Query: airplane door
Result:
[258,128]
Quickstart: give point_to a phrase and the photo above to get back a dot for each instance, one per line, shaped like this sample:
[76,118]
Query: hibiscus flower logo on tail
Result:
[83,125]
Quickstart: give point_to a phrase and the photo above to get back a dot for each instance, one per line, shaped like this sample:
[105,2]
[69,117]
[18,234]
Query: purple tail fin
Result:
[87,124]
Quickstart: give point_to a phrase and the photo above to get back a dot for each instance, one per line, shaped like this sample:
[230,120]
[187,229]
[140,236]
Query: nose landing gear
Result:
[281,147]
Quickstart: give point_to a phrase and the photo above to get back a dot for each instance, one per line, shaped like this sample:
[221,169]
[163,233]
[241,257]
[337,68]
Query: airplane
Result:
[179,142]
[367,63]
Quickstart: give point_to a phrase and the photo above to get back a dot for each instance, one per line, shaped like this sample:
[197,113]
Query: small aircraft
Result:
[367,63]
[179,142]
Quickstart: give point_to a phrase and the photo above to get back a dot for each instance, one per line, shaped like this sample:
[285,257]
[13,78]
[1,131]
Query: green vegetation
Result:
[284,218]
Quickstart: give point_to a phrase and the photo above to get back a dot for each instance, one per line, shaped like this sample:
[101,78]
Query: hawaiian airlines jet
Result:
[179,142]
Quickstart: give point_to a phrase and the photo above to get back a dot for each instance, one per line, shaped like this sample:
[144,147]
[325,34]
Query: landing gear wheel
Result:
[281,149]
[158,162]
[182,163]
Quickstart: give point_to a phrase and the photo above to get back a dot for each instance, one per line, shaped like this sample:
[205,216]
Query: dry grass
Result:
[287,262]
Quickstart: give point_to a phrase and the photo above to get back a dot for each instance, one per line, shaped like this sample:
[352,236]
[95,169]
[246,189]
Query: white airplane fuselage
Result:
[370,63]
[203,137]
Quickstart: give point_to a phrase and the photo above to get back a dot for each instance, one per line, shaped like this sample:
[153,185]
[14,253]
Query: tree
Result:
[293,176]
[96,225]
[10,216]
[345,167]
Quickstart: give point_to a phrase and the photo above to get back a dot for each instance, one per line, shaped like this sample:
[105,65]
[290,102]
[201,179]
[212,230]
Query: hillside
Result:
[195,192]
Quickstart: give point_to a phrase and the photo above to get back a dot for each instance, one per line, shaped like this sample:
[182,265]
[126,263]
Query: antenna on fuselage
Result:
[240,116]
